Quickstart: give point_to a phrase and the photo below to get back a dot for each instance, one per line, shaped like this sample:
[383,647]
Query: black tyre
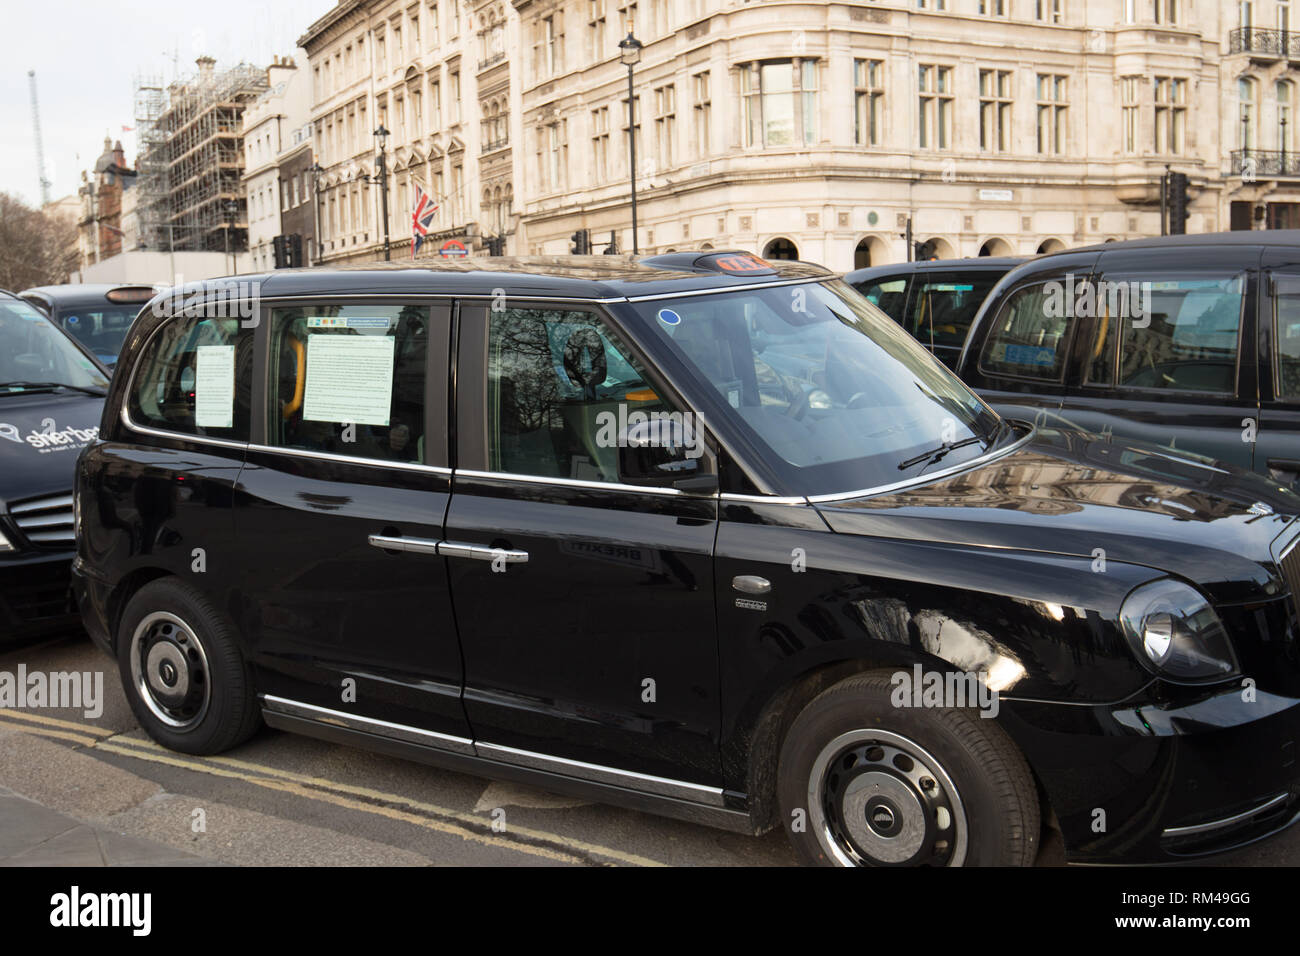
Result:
[184,676]
[862,782]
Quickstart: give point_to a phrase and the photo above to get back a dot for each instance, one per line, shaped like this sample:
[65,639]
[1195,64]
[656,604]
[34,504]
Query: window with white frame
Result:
[1167,12]
[995,111]
[934,106]
[1246,87]
[868,101]
[1053,114]
[993,8]
[600,143]
[1051,11]
[1170,115]
[665,124]
[780,102]
[1130,112]
[703,114]
[596,33]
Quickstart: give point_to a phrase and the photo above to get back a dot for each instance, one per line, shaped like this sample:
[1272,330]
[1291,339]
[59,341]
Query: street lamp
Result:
[381,135]
[317,171]
[630,53]
[232,210]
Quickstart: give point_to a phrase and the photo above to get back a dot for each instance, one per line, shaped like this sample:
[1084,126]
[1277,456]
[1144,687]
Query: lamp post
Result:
[630,53]
[317,171]
[381,135]
[1282,170]
[232,210]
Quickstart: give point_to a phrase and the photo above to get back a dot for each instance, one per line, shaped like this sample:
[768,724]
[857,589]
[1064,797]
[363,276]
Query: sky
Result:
[87,55]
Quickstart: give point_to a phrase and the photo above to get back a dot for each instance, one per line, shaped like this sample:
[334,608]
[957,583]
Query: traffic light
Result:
[288,251]
[496,245]
[581,242]
[1178,203]
[612,248]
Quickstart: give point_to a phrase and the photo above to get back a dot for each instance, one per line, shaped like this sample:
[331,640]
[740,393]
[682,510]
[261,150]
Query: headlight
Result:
[4,543]
[1177,634]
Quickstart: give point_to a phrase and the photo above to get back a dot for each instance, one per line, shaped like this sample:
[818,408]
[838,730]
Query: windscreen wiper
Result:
[30,386]
[934,454]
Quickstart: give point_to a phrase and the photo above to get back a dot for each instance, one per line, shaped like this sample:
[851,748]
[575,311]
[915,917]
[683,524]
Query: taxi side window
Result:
[1181,332]
[195,377]
[560,386]
[889,295]
[349,380]
[1030,335]
[1286,318]
[945,303]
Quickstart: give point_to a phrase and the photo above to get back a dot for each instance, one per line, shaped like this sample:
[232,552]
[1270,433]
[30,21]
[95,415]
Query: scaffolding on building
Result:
[191,158]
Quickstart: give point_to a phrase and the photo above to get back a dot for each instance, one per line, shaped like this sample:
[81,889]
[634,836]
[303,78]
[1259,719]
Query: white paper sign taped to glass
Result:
[349,379]
[214,386]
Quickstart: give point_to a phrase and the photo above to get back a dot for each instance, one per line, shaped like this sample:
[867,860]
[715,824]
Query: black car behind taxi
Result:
[691,533]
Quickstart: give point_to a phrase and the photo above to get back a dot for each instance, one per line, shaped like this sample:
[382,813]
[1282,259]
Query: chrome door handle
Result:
[416,545]
[480,552]
[751,584]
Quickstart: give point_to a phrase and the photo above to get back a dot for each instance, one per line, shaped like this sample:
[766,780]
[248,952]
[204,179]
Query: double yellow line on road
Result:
[468,826]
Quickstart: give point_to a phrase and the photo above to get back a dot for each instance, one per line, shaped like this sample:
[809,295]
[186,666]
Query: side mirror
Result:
[664,452]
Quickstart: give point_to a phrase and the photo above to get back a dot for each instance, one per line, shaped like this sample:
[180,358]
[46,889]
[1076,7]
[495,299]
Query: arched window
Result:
[780,248]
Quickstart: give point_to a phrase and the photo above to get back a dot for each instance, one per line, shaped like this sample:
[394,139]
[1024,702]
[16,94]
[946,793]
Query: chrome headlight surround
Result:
[1176,633]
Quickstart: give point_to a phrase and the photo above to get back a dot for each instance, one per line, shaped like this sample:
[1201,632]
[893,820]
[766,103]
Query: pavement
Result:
[35,835]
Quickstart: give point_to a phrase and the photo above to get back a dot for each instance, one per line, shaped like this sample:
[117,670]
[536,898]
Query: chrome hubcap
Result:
[170,670]
[876,798]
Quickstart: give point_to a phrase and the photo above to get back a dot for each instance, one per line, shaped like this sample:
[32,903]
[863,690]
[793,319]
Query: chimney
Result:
[206,63]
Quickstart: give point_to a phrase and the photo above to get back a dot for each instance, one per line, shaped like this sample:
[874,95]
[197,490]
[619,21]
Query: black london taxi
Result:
[1188,342]
[935,300]
[690,533]
[51,398]
[96,314]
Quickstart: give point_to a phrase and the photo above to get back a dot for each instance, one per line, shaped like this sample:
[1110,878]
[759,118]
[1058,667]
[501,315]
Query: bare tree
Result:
[36,248]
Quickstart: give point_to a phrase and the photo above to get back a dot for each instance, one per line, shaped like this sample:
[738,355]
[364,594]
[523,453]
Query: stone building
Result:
[812,129]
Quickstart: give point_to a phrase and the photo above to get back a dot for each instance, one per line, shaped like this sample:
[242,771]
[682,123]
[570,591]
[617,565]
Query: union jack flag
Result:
[421,218]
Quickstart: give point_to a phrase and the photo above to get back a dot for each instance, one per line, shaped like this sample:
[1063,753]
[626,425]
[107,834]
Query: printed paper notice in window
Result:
[349,379]
[214,386]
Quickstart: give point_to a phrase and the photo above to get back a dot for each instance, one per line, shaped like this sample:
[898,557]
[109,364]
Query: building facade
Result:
[101,195]
[273,138]
[821,130]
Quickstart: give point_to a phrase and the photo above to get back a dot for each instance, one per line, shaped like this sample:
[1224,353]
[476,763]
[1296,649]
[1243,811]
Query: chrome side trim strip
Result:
[177,436]
[923,479]
[571,482]
[1226,821]
[733,288]
[662,786]
[369,725]
[762,499]
[349,459]
[418,298]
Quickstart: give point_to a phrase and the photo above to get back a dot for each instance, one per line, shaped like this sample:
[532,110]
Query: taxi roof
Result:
[572,277]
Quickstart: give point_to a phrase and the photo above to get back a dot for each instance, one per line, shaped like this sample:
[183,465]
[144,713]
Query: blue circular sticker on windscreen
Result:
[669,317]
[73,320]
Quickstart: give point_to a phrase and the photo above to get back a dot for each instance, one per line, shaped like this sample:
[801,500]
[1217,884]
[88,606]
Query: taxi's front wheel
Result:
[865,783]
[184,676]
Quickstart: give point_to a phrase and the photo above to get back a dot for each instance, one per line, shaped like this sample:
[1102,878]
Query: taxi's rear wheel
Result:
[184,676]
[864,783]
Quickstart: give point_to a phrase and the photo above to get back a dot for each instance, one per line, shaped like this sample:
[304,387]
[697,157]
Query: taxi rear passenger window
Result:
[558,381]
[349,380]
[1184,334]
[195,378]
[1030,335]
